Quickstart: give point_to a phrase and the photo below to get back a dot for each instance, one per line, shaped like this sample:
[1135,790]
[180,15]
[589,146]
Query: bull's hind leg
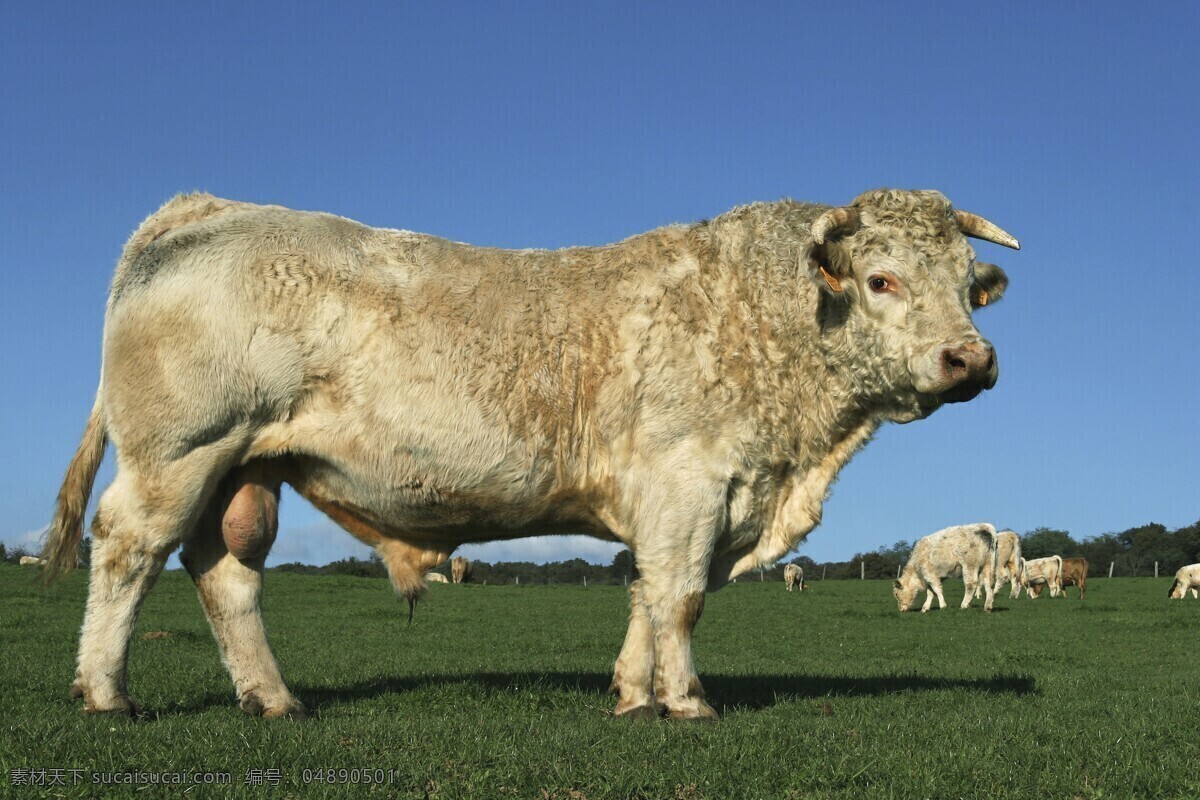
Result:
[141,519]
[225,558]
[633,675]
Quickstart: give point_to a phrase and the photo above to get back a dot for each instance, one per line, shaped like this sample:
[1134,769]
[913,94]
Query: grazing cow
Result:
[460,569]
[691,392]
[1039,573]
[1074,573]
[793,577]
[436,577]
[966,550]
[33,561]
[1186,579]
[1008,563]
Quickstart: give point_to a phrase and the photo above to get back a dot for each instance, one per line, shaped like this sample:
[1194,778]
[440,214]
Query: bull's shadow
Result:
[726,692]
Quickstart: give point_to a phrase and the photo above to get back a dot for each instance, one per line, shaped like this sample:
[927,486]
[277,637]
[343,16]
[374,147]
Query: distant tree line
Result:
[1132,553]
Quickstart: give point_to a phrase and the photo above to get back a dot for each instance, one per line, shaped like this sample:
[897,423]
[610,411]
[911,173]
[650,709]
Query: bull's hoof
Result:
[255,706]
[696,711]
[295,711]
[636,710]
[117,703]
[121,705]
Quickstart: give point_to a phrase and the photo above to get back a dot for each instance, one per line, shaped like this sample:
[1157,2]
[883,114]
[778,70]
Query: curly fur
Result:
[692,392]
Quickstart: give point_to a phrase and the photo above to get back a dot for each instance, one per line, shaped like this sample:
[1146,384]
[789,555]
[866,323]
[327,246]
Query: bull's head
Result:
[1177,591]
[901,264]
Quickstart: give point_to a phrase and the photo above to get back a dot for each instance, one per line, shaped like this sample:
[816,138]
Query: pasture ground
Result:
[500,691]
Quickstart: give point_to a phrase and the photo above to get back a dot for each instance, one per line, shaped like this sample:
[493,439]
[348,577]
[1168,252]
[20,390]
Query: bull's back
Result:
[454,377]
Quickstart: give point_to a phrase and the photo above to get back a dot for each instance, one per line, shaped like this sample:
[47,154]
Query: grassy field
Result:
[499,691]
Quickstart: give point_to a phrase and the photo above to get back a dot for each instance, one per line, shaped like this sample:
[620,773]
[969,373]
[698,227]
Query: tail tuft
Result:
[61,552]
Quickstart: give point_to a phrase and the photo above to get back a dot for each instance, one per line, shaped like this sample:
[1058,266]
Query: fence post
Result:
[1111,564]
[898,568]
[1156,569]
[585,581]
[518,580]
[823,571]
[760,575]
[862,572]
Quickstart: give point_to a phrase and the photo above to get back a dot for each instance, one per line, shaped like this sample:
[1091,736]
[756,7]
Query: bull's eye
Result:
[879,284]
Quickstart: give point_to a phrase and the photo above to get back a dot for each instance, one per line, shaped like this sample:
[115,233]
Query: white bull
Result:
[690,392]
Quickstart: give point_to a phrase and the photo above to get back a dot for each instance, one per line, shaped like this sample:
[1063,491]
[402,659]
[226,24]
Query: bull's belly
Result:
[375,505]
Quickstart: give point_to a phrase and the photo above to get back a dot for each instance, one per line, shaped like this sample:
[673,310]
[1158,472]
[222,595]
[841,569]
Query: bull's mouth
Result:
[961,393]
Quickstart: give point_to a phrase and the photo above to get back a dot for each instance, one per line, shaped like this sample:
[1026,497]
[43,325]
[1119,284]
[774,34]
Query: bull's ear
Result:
[829,266]
[990,283]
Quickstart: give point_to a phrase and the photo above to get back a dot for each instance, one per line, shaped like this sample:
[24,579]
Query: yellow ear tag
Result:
[833,282]
[983,297]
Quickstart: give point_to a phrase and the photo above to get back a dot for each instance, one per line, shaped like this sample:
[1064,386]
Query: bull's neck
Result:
[808,378]
[801,347]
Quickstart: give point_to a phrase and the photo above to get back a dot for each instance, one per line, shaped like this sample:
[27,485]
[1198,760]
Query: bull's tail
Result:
[61,551]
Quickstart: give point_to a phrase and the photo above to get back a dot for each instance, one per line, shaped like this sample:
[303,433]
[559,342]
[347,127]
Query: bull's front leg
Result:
[655,672]
[633,675]
[676,685]
[678,513]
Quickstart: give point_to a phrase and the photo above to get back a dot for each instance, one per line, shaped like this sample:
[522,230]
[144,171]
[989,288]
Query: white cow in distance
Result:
[1186,579]
[1038,573]
[966,550]
[793,577]
[1008,563]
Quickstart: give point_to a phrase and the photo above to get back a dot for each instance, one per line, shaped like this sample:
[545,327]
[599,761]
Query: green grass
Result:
[500,691]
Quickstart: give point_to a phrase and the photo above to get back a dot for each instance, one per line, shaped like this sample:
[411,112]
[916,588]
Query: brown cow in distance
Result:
[1075,571]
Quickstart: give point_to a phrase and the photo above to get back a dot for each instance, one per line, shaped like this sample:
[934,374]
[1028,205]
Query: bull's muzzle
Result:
[967,369]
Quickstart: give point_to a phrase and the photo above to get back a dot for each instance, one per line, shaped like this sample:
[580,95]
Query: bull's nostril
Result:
[953,363]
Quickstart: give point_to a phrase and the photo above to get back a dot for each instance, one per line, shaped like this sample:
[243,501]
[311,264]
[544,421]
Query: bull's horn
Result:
[980,228]
[833,220]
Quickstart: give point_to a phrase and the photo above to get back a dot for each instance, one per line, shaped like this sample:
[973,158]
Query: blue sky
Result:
[1072,125]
